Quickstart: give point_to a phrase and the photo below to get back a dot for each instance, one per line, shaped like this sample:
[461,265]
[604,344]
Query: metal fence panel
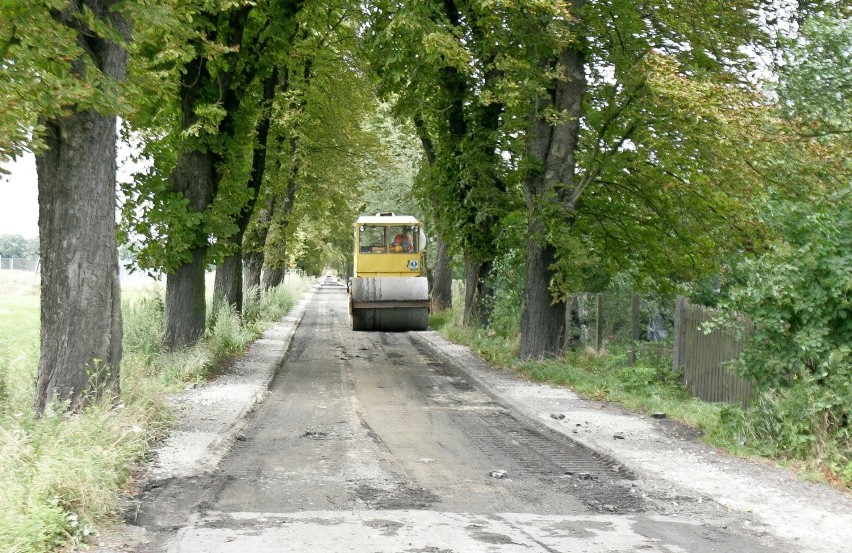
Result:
[18,264]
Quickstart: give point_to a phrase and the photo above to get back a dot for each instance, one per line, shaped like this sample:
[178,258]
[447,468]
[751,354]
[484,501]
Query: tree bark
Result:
[252,266]
[81,328]
[551,191]
[228,282]
[542,318]
[255,243]
[478,292]
[442,277]
[272,278]
[186,307]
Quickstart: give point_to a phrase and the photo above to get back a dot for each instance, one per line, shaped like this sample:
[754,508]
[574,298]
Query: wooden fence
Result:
[596,321]
[703,356]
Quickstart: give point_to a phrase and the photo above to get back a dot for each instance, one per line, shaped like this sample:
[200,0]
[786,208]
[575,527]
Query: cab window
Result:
[403,239]
[373,239]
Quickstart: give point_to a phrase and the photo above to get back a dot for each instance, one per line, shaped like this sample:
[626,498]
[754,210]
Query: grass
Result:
[649,388]
[61,476]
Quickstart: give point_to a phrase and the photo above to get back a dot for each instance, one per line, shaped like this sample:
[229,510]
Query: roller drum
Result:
[390,304]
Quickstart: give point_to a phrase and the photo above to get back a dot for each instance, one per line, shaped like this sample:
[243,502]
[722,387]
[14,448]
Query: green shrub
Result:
[799,296]
[796,423]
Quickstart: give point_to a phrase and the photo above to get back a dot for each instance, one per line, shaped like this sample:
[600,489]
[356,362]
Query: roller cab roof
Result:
[390,219]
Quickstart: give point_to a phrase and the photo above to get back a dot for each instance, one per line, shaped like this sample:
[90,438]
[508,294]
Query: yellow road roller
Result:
[389,290]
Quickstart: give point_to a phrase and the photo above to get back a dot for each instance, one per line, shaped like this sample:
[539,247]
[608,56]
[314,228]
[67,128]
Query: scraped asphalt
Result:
[324,439]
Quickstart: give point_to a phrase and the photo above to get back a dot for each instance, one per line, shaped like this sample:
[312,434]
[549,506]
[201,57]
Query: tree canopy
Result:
[550,145]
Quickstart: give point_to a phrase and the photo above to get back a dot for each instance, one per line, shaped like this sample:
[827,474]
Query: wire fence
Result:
[597,321]
[29,265]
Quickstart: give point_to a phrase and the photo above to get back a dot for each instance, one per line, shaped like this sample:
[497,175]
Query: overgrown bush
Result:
[799,296]
[794,423]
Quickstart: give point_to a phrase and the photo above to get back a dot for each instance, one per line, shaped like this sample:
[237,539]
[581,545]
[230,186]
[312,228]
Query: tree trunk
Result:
[228,282]
[442,277]
[272,278]
[252,265]
[254,244]
[552,191]
[194,176]
[478,294]
[81,328]
[186,307]
[543,318]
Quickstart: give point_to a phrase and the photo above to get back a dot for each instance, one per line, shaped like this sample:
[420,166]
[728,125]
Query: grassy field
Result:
[19,330]
[61,476]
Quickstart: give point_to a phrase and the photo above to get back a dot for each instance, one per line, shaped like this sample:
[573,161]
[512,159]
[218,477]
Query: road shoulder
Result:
[671,464]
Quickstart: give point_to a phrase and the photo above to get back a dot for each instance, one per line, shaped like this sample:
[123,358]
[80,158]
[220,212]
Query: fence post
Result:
[566,342]
[599,324]
[680,318]
[634,329]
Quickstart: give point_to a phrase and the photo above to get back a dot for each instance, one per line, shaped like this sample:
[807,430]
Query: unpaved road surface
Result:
[401,442]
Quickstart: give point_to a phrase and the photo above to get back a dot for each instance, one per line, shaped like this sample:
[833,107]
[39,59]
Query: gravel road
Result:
[325,439]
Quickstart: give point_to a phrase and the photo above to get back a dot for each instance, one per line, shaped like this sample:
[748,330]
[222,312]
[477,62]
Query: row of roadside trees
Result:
[562,142]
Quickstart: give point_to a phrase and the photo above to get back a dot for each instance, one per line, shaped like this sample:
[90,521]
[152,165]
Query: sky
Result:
[19,189]
[19,198]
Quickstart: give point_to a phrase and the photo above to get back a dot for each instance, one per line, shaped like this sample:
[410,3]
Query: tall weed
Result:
[228,335]
[143,324]
[61,473]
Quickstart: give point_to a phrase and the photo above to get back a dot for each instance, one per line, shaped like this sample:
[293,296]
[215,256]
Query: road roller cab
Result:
[389,290]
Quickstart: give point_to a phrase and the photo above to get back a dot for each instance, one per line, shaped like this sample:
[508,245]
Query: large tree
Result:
[323,146]
[439,62]
[616,169]
[63,65]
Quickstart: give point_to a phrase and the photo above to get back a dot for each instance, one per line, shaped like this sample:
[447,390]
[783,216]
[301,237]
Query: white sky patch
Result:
[19,189]
[19,197]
